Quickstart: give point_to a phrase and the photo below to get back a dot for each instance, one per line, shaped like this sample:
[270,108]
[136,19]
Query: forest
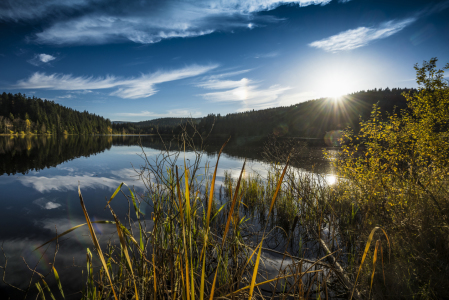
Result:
[25,115]
[310,119]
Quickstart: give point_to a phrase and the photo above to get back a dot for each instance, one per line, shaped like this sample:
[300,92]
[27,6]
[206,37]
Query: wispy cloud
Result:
[97,21]
[19,10]
[359,37]
[68,96]
[83,92]
[227,74]
[175,113]
[127,88]
[105,29]
[40,59]
[245,91]
[70,182]
[267,55]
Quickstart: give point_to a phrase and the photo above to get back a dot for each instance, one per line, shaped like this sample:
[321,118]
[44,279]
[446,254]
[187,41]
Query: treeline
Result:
[310,119]
[24,115]
[161,125]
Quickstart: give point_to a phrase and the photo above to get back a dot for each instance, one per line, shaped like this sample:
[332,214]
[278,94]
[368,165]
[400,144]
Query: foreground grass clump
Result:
[194,246]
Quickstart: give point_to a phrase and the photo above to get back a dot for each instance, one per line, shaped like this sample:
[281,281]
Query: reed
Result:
[199,243]
[194,245]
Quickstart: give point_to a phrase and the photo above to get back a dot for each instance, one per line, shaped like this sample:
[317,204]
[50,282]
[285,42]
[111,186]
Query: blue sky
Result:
[140,60]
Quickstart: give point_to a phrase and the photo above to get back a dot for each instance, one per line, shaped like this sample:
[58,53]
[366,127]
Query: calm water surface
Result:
[39,177]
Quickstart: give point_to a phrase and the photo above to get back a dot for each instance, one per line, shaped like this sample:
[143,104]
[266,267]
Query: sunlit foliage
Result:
[395,170]
[407,151]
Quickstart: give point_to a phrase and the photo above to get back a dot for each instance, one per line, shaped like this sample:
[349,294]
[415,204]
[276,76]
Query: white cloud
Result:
[176,113]
[51,205]
[359,37]
[45,184]
[97,21]
[45,58]
[244,91]
[40,59]
[128,88]
[45,204]
[63,183]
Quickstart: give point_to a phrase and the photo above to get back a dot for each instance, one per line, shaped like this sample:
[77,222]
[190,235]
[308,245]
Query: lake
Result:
[39,178]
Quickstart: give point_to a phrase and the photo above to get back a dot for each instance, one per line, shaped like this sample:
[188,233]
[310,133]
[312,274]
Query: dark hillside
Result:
[311,119]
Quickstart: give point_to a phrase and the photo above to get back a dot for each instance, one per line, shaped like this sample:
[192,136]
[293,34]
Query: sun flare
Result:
[337,85]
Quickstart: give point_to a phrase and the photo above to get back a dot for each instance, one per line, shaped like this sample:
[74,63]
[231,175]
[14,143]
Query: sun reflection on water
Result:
[331,179]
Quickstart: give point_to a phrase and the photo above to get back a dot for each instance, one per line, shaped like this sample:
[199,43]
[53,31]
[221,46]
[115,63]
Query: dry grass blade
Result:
[188,209]
[256,268]
[374,264]
[125,250]
[365,252]
[58,282]
[41,291]
[115,194]
[252,254]
[388,240]
[213,285]
[277,188]
[181,212]
[212,186]
[382,257]
[95,241]
[71,229]
[231,211]
[273,201]
[209,208]
[228,221]
[133,198]
[48,289]
[271,280]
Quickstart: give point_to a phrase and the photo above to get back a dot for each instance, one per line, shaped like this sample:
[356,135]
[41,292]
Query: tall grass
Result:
[290,235]
[195,245]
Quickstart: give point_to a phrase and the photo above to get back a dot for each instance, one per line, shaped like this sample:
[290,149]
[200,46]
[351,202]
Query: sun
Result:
[337,84]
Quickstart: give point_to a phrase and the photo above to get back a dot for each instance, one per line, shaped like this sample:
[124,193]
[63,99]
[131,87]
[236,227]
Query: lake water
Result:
[39,178]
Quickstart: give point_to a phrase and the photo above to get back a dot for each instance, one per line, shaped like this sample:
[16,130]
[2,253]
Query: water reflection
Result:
[39,177]
[25,154]
[331,179]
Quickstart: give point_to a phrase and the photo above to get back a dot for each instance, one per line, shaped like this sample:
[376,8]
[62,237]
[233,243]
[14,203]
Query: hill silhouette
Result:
[309,119]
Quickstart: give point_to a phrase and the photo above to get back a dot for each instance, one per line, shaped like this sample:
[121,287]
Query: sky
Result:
[141,60]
